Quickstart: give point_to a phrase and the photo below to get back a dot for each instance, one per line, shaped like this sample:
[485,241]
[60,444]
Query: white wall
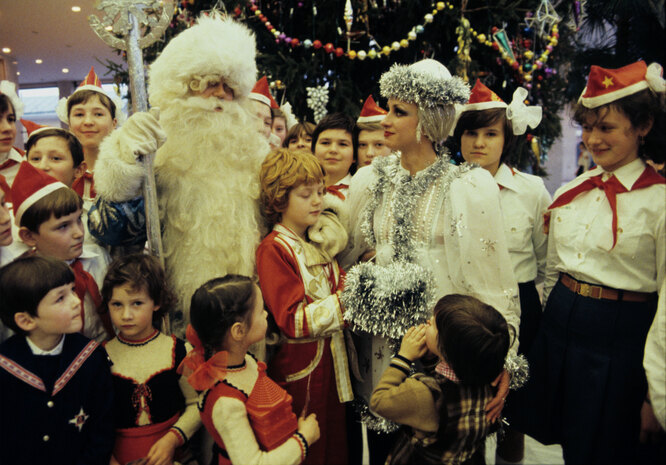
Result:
[562,163]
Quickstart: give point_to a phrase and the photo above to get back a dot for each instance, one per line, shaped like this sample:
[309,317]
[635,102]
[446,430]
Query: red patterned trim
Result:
[74,366]
[21,373]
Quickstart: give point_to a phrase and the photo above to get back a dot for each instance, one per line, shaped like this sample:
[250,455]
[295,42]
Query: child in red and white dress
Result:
[155,410]
[248,415]
[301,283]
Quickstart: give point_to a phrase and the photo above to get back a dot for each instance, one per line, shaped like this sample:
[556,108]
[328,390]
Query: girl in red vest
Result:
[606,261]
[248,415]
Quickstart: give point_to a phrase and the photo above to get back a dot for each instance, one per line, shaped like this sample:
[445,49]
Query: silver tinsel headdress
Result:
[429,85]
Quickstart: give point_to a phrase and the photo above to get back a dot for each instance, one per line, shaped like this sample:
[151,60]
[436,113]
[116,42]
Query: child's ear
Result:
[237,331]
[25,321]
[156,308]
[27,236]
[80,170]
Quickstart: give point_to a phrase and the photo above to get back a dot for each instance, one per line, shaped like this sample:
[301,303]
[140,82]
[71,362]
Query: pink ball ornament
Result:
[538,64]
[549,48]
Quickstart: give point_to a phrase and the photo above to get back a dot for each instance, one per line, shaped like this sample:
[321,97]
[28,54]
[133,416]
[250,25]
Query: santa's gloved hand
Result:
[141,135]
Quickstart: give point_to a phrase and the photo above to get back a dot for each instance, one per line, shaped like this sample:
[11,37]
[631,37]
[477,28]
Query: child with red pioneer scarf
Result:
[606,262]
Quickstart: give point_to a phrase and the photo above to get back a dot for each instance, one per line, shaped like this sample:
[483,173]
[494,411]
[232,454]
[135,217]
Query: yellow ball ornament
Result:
[372,54]
[351,54]
[440,6]
[386,50]
[481,37]
[529,54]
[395,46]
[404,43]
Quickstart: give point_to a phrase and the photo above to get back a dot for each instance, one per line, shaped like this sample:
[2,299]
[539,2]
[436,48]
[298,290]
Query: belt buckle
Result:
[585,290]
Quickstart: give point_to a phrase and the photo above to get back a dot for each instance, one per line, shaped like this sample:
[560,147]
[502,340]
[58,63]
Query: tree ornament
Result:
[317,44]
[317,100]
[361,55]
[351,54]
[349,19]
[544,18]
[372,54]
[395,46]
[464,45]
[339,52]
[386,50]
[307,43]
[329,47]
[429,18]
[404,43]
[411,35]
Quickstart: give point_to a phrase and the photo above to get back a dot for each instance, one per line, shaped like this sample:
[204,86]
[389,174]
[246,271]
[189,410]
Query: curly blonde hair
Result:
[282,171]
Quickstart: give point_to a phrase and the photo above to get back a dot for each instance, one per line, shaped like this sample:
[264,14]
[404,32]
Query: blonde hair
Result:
[374,126]
[282,171]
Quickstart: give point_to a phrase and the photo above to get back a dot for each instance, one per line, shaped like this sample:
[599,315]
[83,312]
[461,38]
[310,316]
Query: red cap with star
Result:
[371,112]
[607,85]
[261,93]
[31,185]
[482,98]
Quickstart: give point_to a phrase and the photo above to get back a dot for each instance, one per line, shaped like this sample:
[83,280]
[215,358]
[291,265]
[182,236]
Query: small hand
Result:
[163,450]
[496,404]
[413,344]
[309,428]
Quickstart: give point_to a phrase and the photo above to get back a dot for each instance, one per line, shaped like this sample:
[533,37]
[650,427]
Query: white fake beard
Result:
[208,180]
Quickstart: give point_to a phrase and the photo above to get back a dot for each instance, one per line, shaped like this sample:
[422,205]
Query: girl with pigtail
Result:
[248,415]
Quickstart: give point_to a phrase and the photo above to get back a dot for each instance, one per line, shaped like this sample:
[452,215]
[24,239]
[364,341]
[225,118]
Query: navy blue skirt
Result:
[530,316]
[587,382]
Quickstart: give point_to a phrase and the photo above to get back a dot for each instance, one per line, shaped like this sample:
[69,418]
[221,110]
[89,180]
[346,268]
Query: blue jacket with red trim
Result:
[55,409]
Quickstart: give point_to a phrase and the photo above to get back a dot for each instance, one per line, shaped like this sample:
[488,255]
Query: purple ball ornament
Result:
[528,85]
[282,36]
[287,40]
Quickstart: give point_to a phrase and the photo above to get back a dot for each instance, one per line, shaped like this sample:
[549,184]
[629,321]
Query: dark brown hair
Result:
[477,119]
[75,148]
[642,108]
[83,96]
[140,271]
[25,282]
[298,130]
[59,203]
[6,104]
[473,338]
[338,121]
[217,305]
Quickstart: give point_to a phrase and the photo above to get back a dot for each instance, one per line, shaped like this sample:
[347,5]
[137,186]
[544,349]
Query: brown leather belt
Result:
[601,292]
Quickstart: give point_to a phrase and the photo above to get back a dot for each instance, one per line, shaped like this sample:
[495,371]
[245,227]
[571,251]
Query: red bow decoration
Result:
[335,190]
[202,374]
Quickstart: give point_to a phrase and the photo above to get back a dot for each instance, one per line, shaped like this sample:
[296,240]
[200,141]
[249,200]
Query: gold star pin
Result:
[607,82]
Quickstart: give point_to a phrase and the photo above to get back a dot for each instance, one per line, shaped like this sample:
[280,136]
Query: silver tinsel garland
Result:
[387,300]
[519,370]
[372,421]
[425,90]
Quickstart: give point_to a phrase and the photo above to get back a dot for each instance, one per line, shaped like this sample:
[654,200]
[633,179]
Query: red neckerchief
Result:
[79,185]
[85,283]
[6,189]
[335,190]
[611,188]
[7,163]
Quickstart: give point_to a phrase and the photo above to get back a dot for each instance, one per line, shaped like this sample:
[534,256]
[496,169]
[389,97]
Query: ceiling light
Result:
[38,61]
[6,50]
[18,73]
[65,70]
[76,9]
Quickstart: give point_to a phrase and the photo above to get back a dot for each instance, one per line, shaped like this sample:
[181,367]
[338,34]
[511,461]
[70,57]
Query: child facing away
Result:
[248,415]
[444,410]
[57,398]
[48,214]
[301,284]
[156,411]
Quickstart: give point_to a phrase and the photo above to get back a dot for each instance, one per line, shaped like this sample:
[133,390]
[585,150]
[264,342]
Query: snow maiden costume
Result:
[432,234]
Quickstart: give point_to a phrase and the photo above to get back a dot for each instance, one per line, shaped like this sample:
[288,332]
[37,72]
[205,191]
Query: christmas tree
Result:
[335,51]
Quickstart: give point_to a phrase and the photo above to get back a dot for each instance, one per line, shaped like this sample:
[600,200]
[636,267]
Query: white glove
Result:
[141,134]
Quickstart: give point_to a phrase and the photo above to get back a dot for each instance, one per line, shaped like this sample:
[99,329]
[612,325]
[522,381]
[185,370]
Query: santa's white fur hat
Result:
[214,45]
